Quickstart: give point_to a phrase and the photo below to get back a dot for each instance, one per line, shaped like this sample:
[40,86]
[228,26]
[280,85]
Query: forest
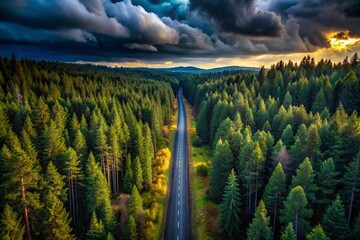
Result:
[83,151]
[285,149]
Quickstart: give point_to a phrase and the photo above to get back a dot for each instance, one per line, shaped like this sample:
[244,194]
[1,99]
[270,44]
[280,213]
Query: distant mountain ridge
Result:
[195,70]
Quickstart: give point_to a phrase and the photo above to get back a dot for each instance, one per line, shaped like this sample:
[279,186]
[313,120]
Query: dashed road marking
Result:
[178,224]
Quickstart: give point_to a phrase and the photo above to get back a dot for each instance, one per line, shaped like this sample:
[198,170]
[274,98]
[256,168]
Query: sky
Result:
[159,33]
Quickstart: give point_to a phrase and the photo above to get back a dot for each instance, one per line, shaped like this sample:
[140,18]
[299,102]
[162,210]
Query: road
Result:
[178,214]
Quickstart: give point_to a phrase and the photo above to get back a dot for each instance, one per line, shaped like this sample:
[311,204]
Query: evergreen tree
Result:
[312,146]
[56,219]
[138,178]
[356,228]
[131,229]
[326,181]
[259,227]
[20,178]
[287,136]
[317,233]
[80,146]
[55,182]
[296,211]
[274,193]
[129,177]
[97,193]
[319,102]
[74,176]
[230,208]
[96,229]
[11,227]
[136,202]
[149,156]
[289,233]
[220,169]
[351,181]
[305,178]
[287,100]
[334,221]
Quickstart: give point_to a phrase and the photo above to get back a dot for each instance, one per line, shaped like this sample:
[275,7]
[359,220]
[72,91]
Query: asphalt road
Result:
[178,213]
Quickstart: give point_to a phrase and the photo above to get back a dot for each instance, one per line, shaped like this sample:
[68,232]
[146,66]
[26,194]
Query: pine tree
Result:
[149,156]
[96,229]
[319,102]
[352,183]
[129,177]
[296,211]
[131,229]
[230,208]
[55,182]
[317,233]
[138,178]
[80,146]
[74,176]
[56,219]
[312,146]
[221,167]
[287,100]
[259,227]
[136,202]
[326,181]
[305,178]
[289,233]
[274,193]
[334,221]
[20,178]
[287,136]
[97,193]
[11,227]
[356,228]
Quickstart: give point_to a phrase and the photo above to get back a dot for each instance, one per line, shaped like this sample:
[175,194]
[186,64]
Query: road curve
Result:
[178,214]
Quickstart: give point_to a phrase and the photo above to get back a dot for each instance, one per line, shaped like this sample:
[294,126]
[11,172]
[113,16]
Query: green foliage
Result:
[97,193]
[289,233]
[136,202]
[96,229]
[352,184]
[129,176]
[305,178]
[327,181]
[274,193]
[296,211]
[317,233]
[54,182]
[334,221]
[131,229]
[259,227]
[56,219]
[138,174]
[230,208]
[287,136]
[220,169]
[11,227]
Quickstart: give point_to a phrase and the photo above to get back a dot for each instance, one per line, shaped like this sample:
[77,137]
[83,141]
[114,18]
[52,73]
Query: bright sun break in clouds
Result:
[342,41]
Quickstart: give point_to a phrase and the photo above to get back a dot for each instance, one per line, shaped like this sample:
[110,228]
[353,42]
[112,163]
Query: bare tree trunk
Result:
[351,203]
[26,210]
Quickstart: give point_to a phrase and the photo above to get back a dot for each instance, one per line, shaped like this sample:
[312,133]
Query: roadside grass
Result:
[204,213]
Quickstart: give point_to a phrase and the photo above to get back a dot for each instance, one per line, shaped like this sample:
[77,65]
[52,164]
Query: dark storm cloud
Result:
[110,30]
[240,17]
[317,17]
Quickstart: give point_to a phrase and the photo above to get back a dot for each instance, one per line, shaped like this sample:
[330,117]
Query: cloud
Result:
[141,47]
[240,17]
[121,30]
[61,14]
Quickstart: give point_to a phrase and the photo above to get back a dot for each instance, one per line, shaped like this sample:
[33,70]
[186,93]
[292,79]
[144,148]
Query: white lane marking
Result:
[178,224]
[178,212]
[178,203]
[177,238]
[178,195]
[179,187]
[179,180]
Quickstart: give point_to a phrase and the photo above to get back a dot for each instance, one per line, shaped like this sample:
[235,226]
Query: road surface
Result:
[178,215]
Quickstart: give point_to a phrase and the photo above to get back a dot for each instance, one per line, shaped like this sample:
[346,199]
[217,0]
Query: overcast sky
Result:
[157,33]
